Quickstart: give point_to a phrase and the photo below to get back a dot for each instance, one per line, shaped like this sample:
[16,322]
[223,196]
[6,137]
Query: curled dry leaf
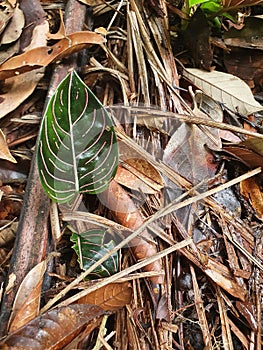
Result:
[4,150]
[43,56]
[111,297]
[14,28]
[126,213]
[61,33]
[54,329]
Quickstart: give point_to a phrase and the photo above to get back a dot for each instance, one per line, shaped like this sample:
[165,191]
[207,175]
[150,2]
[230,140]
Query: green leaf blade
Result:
[77,149]
[90,247]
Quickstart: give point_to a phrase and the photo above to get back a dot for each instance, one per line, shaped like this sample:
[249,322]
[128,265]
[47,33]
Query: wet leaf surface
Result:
[53,330]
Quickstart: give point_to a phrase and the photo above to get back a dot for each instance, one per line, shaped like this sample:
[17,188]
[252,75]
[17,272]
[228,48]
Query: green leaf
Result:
[211,7]
[77,150]
[197,2]
[90,246]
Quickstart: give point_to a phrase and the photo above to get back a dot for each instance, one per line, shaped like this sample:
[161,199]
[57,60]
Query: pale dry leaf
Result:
[92,2]
[20,87]
[27,301]
[133,180]
[225,88]
[4,150]
[14,28]
[9,52]
[6,13]
[8,233]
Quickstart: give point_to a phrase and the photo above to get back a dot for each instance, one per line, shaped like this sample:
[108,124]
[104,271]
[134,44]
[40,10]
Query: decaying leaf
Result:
[9,52]
[139,175]
[43,56]
[245,155]
[92,2]
[127,178]
[255,144]
[27,301]
[117,200]
[225,88]
[6,13]
[112,297]
[61,33]
[8,233]
[20,87]
[54,329]
[251,190]
[4,150]
[14,28]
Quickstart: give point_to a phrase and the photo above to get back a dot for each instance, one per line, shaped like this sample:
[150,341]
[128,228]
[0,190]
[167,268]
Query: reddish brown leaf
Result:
[54,329]
[111,297]
[245,155]
[43,56]
[248,310]
[255,144]
[126,213]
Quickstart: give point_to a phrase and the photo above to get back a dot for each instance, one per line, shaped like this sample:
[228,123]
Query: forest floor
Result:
[161,102]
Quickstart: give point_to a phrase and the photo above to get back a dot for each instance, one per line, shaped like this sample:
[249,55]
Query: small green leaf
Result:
[77,150]
[197,2]
[90,246]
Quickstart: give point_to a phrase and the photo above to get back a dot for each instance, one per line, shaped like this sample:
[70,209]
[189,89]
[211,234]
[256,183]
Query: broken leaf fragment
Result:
[4,150]
[44,55]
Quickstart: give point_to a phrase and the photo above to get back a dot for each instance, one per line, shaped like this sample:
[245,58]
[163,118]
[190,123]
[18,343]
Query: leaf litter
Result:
[213,280]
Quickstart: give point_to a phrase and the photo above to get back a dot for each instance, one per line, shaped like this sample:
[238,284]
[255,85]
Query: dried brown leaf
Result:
[4,150]
[111,297]
[255,144]
[27,301]
[61,33]
[126,213]
[14,28]
[6,13]
[7,234]
[43,56]
[245,155]
[201,311]
[54,329]
[250,189]
[139,175]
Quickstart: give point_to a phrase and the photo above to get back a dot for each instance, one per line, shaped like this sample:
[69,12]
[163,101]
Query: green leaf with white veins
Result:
[77,150]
